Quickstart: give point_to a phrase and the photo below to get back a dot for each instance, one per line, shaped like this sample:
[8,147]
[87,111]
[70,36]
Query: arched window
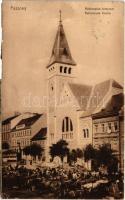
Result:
[61,67]
[71,126]
[84,132]
[65,70]
[63,126]
[87,131]
[69,71]
[67,125]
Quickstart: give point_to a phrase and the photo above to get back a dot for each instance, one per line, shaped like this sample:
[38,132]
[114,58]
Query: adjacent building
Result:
[6,129]
[106,124]
[40,138]
[106,129]
[22,133]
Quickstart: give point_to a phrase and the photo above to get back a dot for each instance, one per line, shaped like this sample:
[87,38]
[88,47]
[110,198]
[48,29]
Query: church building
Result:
[78,113]
[71,105]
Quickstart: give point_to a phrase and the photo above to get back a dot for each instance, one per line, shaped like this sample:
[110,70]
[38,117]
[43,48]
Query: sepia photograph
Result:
[62,99]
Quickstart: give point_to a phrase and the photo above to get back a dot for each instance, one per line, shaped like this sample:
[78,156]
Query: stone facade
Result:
[70,106]
[85,132]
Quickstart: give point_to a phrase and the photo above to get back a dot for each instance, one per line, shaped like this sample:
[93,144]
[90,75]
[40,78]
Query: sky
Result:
[95,41]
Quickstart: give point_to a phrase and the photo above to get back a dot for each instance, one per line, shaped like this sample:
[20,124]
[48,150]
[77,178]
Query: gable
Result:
[81,93]
[67,98]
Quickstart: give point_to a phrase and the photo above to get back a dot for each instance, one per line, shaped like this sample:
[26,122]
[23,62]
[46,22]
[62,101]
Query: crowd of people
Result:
[61,182]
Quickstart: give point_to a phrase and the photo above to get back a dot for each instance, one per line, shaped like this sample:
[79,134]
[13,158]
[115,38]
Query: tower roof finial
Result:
[61,52]
[60,16]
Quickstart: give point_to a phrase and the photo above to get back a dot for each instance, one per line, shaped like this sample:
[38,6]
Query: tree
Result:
[5,145]
[74,154]
[26,150]
[112,165]
[89,153]
[105,154]
[59,149]
[53,151]
[79,153]
[107,158]
[33,150]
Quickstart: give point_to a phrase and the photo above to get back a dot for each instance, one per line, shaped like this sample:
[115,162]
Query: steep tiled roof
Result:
[112,108]
[116,84]
[104,113]
[116,102]
[61,52]
[82,93]
[99,91]
[41,135]
[28,121]
[90,97]
[8,120]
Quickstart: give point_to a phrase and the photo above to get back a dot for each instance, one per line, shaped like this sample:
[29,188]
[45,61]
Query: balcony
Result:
[67,135]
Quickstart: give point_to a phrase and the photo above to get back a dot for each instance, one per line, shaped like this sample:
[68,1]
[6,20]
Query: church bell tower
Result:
[60,70]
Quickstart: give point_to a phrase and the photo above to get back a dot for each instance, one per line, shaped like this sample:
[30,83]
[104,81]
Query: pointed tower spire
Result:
[61,52]
[60,12]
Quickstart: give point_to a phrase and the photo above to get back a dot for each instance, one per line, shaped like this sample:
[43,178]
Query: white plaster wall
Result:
[70,112]
[84,123]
